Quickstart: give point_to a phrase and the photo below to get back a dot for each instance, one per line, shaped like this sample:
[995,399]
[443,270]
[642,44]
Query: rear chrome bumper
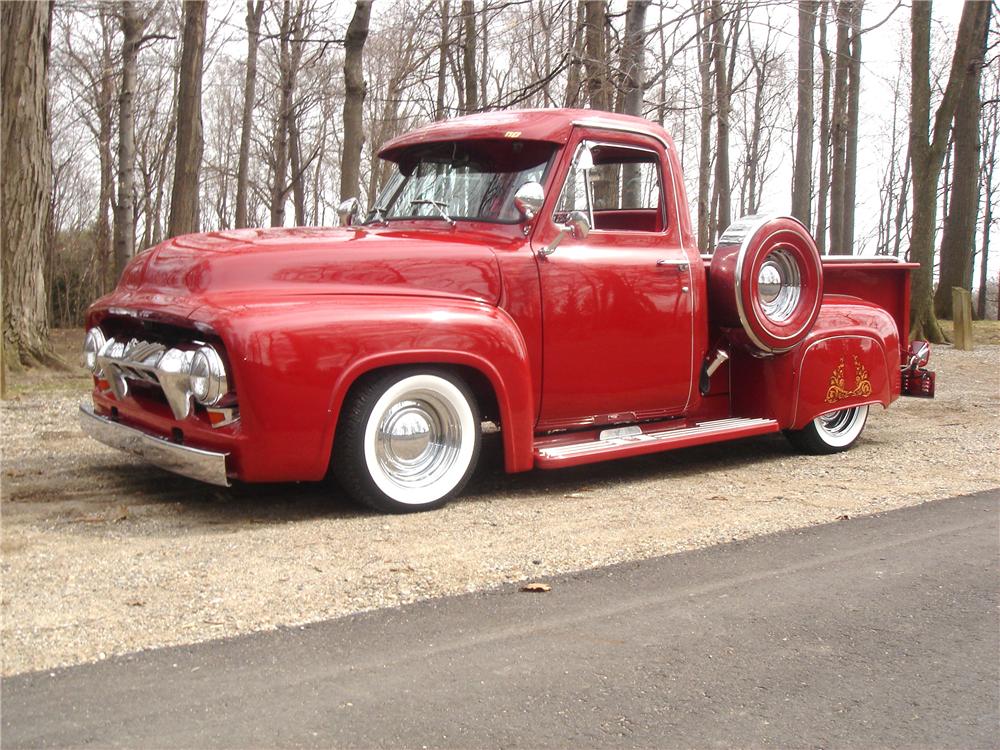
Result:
[205,466]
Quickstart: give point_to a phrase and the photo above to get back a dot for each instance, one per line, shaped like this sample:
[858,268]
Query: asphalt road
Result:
[874,631]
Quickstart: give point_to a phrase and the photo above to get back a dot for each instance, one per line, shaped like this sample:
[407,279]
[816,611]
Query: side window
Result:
[625,185]
[621,190]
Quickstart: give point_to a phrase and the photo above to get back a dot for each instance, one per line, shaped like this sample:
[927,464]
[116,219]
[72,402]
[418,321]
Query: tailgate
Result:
[883,281]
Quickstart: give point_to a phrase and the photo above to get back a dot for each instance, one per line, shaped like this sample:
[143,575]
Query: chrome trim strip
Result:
[195,463]
[718,426]
[602,124]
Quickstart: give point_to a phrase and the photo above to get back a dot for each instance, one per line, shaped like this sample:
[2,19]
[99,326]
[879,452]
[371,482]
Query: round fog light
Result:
[208,380]
[92,345]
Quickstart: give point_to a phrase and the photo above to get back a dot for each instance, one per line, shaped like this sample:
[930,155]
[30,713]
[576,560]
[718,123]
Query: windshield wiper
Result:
[440,206]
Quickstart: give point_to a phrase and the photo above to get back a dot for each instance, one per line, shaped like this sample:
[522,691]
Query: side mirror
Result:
[348,211]
[528,200]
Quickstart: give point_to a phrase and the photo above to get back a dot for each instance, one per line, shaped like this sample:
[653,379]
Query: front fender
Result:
[295,360]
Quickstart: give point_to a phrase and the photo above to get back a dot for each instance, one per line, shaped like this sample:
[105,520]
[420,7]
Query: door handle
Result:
[678,264]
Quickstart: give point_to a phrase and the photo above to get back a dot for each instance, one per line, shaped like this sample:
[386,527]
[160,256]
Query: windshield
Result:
[474,180]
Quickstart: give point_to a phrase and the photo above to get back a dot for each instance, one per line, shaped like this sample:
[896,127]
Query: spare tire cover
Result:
[767,278]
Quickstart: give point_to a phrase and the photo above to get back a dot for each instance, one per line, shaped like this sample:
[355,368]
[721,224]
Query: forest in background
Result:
[128,122]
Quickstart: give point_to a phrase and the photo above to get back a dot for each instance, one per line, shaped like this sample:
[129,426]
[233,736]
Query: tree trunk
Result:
[927,148]
[469,55]
[958,237]
[125,209]
[442,70]
[802,178]
[851,154]
[190,143]
[633,56]
[839,129]
[596,61]
[723,186]
[576,61]
[703,18]
[354,99]
[255,10]
[990,135]
[279,184]
[824,134]
[633,63]
[25,180]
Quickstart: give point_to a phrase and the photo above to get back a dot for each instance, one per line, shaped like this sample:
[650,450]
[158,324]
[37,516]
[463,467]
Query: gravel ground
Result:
[102,555]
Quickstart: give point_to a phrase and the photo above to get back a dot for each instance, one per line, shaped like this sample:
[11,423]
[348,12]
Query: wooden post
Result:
[961,305]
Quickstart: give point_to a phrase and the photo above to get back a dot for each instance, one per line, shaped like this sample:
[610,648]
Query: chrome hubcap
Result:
[417,439]
[839,422]
[779,286]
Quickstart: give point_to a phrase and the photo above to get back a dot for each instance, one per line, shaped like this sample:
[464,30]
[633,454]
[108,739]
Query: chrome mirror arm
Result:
[576,224]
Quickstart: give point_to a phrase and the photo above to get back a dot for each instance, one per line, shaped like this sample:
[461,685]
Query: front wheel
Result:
[830,433]
[407,441]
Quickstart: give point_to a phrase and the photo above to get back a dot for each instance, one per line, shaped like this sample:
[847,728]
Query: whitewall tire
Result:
[408,440]
[830,433]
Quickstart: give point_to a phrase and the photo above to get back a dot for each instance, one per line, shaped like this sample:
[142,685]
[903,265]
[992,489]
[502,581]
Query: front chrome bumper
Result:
[205,466]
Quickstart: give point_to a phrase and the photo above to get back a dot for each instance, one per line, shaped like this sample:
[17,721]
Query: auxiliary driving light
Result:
[92,345]
[208,377]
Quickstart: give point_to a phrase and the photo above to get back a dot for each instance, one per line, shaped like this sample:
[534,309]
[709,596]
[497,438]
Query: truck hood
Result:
[247,265]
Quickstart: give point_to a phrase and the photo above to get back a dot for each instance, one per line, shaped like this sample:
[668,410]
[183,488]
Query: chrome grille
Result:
[149,362]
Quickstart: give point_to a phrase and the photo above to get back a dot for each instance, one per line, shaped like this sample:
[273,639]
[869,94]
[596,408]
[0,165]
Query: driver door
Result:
[616,305]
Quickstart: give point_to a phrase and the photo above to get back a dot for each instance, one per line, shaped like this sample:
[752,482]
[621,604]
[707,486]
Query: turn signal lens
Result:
[208,382]
[92,345]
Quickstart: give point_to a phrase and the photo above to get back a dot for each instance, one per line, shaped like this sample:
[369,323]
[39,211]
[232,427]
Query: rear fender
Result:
[852,359]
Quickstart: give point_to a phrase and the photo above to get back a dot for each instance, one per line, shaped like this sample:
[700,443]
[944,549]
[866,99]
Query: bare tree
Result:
[839,130]
[927,147]
[190,143]
[704,22]
[824,133]
[124,233]
[25,181]
[851,150]
[990,134]
[723,93]
[354,98]
[802,177]
[255,10]
[469,55]
[958,237]
[596,55]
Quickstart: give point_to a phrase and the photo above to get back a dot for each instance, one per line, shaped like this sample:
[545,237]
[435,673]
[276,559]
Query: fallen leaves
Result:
[536,588]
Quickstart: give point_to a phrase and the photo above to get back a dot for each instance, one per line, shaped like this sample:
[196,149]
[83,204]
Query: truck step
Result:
[572,449]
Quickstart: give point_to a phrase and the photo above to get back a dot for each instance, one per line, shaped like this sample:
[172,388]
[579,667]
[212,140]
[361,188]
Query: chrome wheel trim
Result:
[841,428]
[779,285]
[419,439]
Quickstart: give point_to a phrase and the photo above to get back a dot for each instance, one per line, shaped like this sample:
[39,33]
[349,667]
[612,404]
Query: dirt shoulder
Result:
[102,555]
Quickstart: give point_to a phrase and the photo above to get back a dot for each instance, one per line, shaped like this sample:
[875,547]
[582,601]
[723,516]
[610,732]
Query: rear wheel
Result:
[830,433]
[407,441]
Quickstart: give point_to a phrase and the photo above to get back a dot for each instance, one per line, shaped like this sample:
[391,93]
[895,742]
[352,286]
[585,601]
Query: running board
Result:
[572,449]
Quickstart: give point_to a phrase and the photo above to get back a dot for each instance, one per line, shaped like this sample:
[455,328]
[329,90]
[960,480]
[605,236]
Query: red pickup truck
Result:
[533,269]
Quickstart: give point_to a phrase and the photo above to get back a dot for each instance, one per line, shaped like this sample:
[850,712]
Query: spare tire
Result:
[767,279]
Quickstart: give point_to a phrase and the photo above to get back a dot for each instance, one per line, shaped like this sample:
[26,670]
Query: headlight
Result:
[92,345]
[208,377]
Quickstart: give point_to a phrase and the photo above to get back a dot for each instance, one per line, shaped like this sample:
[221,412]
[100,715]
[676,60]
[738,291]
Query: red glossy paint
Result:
[609,329]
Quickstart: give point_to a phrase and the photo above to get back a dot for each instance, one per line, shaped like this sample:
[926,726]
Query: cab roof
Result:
[552,125]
